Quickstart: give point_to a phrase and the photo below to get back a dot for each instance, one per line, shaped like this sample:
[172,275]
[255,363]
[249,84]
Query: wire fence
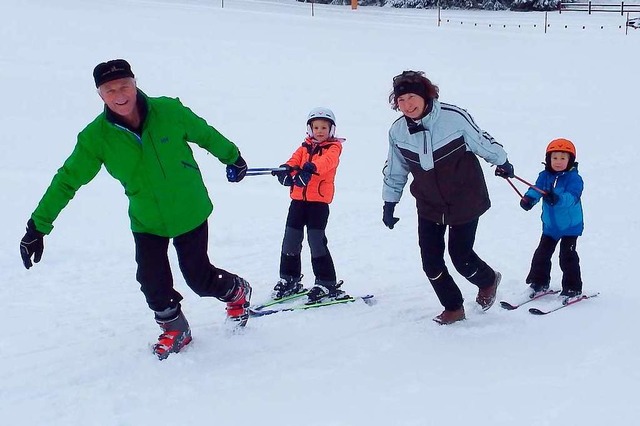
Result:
[545,22]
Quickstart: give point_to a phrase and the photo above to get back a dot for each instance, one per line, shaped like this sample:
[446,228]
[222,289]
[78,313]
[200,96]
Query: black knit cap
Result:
[111,70]
[403,87]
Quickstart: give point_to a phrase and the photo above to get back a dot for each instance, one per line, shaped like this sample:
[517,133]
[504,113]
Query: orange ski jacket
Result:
[326,157]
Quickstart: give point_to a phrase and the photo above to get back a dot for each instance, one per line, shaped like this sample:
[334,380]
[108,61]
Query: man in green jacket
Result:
[143,143]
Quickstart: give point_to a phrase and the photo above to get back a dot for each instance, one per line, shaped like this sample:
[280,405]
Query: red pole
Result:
[514,188]
[530,185]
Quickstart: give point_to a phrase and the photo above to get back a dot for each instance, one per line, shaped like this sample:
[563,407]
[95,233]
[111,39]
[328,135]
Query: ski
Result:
[260,313]
[282,300]
[510,306]
[536,311]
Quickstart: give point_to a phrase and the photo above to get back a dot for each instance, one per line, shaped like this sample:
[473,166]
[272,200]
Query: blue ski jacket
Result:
[564,218]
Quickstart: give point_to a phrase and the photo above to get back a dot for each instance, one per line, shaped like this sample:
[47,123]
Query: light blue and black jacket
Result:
[564,218]
[440,152]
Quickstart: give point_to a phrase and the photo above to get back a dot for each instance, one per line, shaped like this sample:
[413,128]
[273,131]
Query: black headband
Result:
[405,87]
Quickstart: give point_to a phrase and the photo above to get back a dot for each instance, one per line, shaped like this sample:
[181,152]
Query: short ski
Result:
[536,311]
[282,300]
[511,306]
[260,313]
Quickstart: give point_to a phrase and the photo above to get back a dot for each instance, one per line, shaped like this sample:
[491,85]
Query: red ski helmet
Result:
[561,145]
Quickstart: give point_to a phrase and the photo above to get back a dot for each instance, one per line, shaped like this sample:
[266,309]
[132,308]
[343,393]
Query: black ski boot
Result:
[286,287]
[325,290]
[536,289]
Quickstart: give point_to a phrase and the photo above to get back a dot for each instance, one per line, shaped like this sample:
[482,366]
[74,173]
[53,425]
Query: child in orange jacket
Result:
[310,174]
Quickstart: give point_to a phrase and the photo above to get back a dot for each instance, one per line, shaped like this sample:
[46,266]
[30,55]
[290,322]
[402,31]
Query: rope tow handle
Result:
[535,188]
[264,171]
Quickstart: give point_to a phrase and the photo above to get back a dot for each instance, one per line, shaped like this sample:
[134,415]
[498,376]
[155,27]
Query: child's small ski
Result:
[289,298]
[536,311]
[260,313]
[511,306]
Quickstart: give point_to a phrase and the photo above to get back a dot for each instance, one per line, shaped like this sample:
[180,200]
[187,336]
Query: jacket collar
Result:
[426,122]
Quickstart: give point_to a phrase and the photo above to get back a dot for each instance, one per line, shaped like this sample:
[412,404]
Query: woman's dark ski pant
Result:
[465,260]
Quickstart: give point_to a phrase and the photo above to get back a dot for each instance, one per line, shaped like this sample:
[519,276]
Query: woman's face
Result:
[411,105]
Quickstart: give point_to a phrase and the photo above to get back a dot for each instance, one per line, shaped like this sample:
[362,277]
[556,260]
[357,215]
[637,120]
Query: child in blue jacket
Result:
[562,219]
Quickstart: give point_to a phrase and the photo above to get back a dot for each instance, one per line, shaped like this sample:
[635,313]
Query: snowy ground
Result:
[76,345]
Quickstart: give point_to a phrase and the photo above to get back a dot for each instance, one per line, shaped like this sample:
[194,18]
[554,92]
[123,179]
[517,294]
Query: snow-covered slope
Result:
[77,331]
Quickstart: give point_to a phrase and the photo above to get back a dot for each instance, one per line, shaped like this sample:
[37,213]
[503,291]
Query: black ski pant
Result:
[540,272]
[313,215]
[465,260]
[154,272]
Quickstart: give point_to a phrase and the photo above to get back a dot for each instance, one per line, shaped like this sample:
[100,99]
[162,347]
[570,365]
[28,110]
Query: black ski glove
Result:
[32,244]
[551,197]
[387,214]
[526,203]
[505,171]
[284,176]
[303,177]
[237,170]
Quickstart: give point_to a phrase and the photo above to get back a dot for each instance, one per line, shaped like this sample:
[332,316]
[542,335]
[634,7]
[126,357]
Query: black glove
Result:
[32,244]
[237,170]
[387,214]
[505,171]
[526,203]
[303,177]
[284,176]
[551,197]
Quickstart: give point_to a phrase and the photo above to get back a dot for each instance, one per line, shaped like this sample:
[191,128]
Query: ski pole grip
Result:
[264,171]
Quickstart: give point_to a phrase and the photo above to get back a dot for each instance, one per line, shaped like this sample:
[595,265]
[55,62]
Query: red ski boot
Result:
[238,302]
[176,334]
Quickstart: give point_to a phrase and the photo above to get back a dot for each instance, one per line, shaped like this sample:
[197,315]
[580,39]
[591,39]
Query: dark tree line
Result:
[518,5]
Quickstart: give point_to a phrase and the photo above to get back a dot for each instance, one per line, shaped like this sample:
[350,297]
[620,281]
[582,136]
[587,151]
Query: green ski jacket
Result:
[167,196]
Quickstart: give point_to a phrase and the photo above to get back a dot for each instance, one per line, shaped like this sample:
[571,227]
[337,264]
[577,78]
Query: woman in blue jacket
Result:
[438,144]
[561,219]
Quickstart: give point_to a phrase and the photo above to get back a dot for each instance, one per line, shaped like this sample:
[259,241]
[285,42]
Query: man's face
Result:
[119,95]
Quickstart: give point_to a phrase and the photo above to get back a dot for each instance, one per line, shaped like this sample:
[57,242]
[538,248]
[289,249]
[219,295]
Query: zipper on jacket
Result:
[158,158]
[435,173]
[304,190]
[138,138]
